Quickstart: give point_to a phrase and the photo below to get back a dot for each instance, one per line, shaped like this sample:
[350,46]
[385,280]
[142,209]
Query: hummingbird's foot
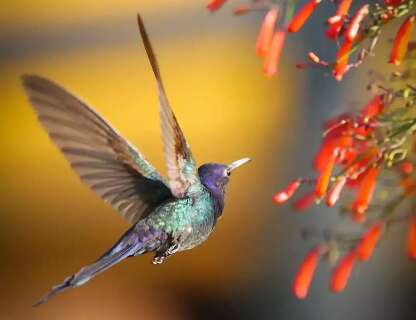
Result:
[159,259]
[173,249]
[161,256]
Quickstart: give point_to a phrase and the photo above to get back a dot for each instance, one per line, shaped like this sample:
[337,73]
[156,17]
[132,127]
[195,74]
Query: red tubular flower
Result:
[334,193]
[302,16]
[272,58]
[306,272]
[344,7]
[341,64]
[336,22]
[334,19]
[411,239]
[334,28]
[347,156]
[214,5]
[358,171]
[265,36]
[373,108]
[365,193]
[324,178]
[401,41]
[342,272]
[327,149]
[369,241]
[354,26]
[337,125]
[283,196]
[305,201]
[341,130]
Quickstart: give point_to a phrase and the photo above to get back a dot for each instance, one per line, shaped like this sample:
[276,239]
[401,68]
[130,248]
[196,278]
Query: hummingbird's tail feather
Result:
[89,272]
[127,239]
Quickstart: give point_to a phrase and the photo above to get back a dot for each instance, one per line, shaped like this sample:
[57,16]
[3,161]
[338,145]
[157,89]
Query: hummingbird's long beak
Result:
[238,163]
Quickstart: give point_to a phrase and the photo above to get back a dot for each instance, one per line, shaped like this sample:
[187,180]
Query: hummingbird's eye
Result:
[227,172]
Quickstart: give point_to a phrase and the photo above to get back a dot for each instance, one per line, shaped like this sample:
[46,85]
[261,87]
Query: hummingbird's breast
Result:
[203,220]
[190,219]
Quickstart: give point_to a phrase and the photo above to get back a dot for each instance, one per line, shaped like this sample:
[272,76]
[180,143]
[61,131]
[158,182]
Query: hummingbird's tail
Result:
[90,271]
[139,239]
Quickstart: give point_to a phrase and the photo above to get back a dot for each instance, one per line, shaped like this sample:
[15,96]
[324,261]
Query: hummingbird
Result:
[167,215]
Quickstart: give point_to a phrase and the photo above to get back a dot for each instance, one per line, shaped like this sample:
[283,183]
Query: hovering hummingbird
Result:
[167,216]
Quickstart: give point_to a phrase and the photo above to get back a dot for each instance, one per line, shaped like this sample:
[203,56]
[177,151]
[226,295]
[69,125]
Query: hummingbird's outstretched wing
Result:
[181,166]
[103,159]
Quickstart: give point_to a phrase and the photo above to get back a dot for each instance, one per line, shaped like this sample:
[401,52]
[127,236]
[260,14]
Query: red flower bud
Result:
[272,58]
[344,7]
[306,272]
[354,26]
[341,64]
[334,28]
[302,16]
[325,176]
[401,41]
[327,149]
[411,238]
[365,193]
[305,201]
[338,125]
[283,196]
[334,19]
[342,272]
[372,109]
[369,241]
[265,36]
[334,193]
[214,5]
[358,171]
[337,21]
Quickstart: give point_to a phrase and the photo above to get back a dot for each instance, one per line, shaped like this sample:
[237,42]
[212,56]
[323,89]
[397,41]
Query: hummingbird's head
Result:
[215,176]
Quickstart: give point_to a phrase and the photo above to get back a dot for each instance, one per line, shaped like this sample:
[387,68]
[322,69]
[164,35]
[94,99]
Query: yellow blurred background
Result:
[52,225]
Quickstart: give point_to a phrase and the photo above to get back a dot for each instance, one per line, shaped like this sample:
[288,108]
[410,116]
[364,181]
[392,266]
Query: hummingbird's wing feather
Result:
[104,160]
[181,166]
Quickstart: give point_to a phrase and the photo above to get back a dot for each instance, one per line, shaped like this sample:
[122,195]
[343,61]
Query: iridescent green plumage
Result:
[191,218]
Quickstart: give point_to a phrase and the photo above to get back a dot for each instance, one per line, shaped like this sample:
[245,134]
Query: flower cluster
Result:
[357,30]
[366,160]
[350,156]
[359,249]
[358,152]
